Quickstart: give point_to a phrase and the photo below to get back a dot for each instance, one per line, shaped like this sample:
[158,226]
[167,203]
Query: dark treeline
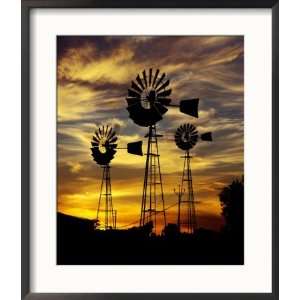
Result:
[78,242]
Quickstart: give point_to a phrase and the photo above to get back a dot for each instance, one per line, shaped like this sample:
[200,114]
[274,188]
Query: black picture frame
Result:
[27,5]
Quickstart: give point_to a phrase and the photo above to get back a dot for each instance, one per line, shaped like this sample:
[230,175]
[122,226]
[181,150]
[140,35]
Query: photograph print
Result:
[150,150]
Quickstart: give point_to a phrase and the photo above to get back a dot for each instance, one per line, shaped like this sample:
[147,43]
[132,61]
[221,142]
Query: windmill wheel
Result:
[104,145]
[147,98]
[186,136]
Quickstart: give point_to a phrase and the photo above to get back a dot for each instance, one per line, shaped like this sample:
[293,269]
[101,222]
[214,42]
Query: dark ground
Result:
[79,244]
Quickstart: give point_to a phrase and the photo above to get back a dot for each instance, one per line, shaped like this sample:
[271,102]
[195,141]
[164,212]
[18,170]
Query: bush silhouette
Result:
[232,203]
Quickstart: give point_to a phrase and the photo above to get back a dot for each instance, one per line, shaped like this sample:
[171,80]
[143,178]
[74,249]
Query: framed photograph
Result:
[150,150]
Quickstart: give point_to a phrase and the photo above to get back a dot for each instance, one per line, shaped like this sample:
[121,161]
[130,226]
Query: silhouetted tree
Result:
[171,231]
[232,202]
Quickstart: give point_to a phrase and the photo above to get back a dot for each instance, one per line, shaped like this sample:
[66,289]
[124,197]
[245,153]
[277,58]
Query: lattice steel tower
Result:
[147,103]
[153,196]
[103,150]
[186,137]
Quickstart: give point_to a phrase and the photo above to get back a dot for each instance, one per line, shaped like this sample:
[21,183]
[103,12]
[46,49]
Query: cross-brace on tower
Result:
[103,150]
[110,214]
[186,137]
[187,204]
[148,99]
[153,197]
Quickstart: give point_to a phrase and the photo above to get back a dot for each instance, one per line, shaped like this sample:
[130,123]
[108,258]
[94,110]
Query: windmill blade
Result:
[190,127]
[136,87]
[182,145]
[145,78]
[95,140]
[135,148]
[160,80]
[164,93]
[109,132]
[97,134]
[132,101]
[107,137]
[193,132]
[147,115]
[139,120]
[113,140]
[161,109]
[207,136]
[95,151]
[177,133]
[180,129]
[142,116]
[111,147]
[95,157]
[189,107]
[194,136]
[177,139]
[106,130]
[139,81]
[164,101]
[151,97]
[186,136]
[193,129]
[132,93]
[155,115]
[163,85]
[155,77]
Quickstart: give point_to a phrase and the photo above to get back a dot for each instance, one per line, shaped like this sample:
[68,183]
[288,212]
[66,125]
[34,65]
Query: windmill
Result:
[148,99]
[186,137]
[104,148]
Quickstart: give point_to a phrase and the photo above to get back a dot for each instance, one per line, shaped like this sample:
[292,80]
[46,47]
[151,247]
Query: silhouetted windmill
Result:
[103,150]
[147,103]
[186,137]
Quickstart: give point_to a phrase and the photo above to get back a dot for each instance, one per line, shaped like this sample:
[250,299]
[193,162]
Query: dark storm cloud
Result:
[104,45]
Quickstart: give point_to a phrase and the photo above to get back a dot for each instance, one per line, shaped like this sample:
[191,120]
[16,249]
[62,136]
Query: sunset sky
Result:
[94,73]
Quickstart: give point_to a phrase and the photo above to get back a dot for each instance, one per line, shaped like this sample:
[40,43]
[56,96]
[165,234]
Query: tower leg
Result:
[186,207]
[106,215]
[153,206]
[100,196]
